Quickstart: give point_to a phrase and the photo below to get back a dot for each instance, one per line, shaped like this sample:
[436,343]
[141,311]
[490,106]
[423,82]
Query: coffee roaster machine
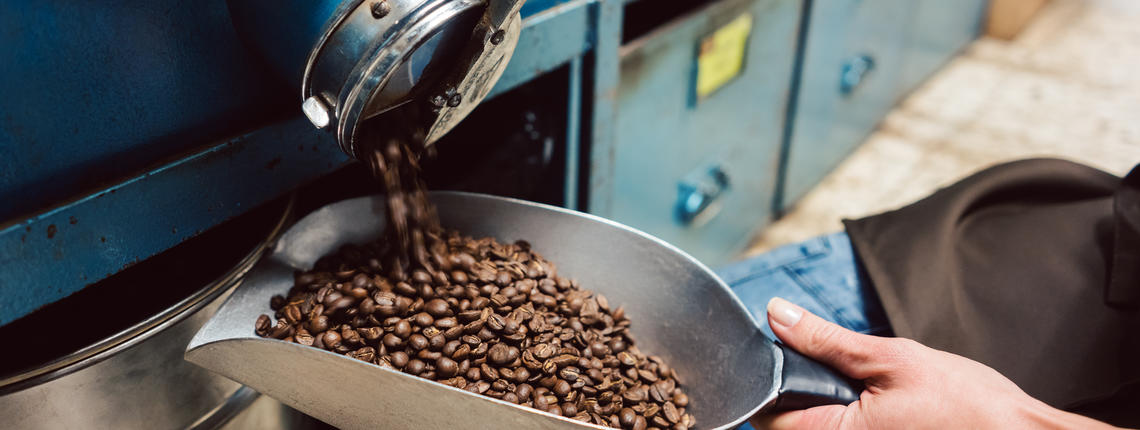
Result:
[151,151]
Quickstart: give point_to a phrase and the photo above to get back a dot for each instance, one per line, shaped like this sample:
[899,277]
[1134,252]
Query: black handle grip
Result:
[805,383]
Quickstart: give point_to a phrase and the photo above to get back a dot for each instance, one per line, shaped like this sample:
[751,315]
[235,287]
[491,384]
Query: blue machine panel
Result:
[95,93]
[670,148]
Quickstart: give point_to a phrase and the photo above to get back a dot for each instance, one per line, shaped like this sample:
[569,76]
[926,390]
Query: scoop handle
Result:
[805,383]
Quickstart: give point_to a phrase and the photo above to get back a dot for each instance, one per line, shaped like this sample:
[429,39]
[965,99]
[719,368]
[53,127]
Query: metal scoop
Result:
[680,311]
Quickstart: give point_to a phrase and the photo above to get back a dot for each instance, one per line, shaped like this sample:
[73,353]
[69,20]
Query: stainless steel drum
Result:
[136,378]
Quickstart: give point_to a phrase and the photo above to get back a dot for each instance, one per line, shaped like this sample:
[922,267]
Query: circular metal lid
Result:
[430,60]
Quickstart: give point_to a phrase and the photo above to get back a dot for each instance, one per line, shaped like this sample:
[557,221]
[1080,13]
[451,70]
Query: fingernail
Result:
[784,312]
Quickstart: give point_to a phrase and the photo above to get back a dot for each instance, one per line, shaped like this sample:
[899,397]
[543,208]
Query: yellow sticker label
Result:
[721,56]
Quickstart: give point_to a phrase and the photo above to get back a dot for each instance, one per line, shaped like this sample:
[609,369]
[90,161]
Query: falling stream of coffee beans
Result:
[491,318]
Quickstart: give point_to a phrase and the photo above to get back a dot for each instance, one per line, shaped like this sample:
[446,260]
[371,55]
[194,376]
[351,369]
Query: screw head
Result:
[381,9]
[498,37]
[316,111]
[438,100]
[455,100]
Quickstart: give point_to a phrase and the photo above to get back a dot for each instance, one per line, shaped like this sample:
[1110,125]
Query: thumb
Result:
[852,353]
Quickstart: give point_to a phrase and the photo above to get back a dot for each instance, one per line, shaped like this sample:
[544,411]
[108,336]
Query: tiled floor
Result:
[1068,87]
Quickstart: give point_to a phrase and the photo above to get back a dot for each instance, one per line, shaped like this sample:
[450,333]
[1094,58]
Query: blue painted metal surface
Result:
[604,78]
[666,139]
[938,31]
[95,93]
[829,124]
[549,40]
[58,252]
[96,230]
[573,135]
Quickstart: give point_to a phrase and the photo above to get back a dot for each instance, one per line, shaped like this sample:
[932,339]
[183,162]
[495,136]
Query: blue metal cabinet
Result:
[939,30]
[852,66]
[719,154]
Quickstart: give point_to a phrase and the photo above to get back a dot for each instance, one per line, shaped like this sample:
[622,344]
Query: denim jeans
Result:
[822,275]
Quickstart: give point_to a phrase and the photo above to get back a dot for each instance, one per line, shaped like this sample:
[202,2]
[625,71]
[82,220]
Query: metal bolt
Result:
[381,9]
[316,111]
[438,101]
[455,100]
[498,37]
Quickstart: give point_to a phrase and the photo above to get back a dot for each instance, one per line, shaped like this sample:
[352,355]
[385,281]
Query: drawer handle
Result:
[696,194]
[854,72]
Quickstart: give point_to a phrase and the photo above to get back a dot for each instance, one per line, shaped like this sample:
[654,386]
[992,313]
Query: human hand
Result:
[908,385]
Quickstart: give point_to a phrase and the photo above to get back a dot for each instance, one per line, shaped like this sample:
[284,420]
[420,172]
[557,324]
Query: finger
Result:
[820,417]
[856,355]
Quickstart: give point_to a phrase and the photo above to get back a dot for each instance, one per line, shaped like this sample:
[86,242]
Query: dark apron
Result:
[1031,267]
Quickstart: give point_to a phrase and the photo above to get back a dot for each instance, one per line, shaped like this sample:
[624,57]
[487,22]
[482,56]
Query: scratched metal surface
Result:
[829,124]
[110,92]
[664,134]
[938,31]
[93,93]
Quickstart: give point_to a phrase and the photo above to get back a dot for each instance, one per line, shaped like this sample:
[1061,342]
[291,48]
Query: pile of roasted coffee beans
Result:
[490,318]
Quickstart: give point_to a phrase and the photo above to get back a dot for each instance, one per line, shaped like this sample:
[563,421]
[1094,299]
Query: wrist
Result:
[1034,413]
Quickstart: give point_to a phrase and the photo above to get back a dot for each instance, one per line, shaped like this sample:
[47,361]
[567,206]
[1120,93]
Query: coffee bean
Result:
[292,314]
[438,308]
[639,423]
[351,337]
[446,367]
[561,388]
[366,354]
[482,387]
[681,399]
[522,375]
[489,373]
[415,366]
[319,324]
[627,417]
[450,347]
[405,288]
[263,325]
[541,402]
[304,339]
[403,329]
[446,323]
[281,330]
[499,354]
[436,342]
[479,351]
[421,277]
[331,339]
[617,345]
[570,374]
[543,351]
[453,333]
[554,409]
[417,342]
[462,352]
[627,359]
[391,341]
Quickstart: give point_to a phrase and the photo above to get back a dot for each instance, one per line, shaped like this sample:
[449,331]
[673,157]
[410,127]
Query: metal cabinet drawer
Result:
[939,30]
[851,70]
[719,153]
